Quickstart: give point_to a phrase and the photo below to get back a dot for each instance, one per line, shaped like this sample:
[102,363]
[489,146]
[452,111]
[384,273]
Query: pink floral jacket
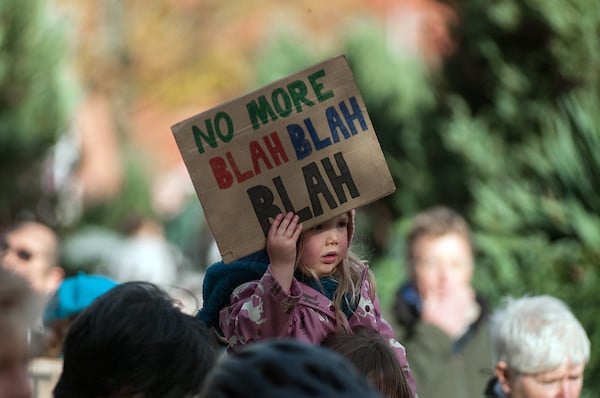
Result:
[261,310]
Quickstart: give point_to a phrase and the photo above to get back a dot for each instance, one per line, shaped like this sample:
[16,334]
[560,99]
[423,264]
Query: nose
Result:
[565,389]
[444,270]
[332,238]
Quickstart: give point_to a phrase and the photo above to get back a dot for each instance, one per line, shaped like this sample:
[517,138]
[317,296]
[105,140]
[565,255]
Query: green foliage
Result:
[521,100]
[282,56]
[390,270]
[538,229]
[507,133]
[395,88]
[36,97]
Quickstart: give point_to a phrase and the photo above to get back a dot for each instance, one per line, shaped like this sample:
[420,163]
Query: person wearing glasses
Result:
[31,249]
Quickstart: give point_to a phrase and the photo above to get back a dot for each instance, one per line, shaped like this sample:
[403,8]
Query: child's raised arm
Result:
[281,247]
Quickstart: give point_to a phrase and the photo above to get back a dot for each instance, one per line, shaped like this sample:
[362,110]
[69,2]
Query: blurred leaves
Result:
[37,95]
[523,99]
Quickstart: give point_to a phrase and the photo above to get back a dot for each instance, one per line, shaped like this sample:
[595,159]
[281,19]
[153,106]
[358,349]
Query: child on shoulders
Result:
[312,287]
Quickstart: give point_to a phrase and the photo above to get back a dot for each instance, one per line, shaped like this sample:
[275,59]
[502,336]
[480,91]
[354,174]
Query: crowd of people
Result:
[301,318]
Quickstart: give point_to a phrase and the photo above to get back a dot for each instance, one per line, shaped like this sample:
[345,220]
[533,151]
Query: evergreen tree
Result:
[519,106]
[396,88]
[36,99]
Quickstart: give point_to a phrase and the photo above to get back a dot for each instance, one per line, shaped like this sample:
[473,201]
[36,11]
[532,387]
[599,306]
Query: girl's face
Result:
[325,245]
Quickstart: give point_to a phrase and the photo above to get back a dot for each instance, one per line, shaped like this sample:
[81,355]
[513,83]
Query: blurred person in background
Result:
[19,306]
[145,254]
[32,249]
[541,350]
[74,294]
[438,315]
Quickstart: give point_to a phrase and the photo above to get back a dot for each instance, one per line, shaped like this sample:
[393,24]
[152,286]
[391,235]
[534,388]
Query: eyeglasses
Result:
[23,254]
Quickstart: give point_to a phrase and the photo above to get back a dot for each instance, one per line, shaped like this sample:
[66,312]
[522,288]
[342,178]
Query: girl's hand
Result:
[281,247]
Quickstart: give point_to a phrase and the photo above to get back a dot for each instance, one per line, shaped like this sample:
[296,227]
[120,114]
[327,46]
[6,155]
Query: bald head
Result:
[32,250]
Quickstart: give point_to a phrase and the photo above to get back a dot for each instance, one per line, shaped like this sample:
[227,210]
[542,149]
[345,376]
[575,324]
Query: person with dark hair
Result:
[287,368]
[438,315]
[134,341]
[372,355]
[32,249]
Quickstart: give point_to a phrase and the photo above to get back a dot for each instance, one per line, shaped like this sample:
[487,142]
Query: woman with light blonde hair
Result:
[541,350]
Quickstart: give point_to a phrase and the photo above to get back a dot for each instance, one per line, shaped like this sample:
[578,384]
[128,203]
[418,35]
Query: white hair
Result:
[537,334]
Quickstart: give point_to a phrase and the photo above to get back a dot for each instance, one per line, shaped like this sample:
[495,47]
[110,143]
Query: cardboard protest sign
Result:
[304,144]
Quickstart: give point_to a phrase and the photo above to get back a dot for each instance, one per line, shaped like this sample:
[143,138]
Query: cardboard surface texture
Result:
[304,144]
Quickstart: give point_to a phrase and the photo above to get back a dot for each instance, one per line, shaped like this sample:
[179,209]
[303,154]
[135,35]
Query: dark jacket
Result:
[221,279]
[443,367]
[493,389]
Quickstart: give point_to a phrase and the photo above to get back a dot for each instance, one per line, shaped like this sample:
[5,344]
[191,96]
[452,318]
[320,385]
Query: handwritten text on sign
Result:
[303,144]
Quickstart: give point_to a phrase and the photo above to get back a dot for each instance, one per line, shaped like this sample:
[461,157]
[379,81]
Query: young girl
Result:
[312,287]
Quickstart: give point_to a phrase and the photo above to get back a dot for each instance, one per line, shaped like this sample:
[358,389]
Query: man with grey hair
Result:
[541,350]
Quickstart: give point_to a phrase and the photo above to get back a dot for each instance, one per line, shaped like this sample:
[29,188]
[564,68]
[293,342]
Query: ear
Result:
[54,278]
[504,377]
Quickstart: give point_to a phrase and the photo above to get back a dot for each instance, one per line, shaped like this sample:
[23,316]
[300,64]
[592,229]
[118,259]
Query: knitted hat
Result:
[75,294]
